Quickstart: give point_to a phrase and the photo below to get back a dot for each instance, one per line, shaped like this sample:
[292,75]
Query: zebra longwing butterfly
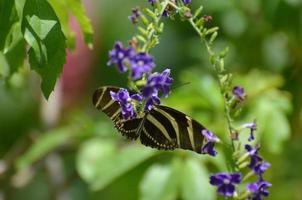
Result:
[162,127]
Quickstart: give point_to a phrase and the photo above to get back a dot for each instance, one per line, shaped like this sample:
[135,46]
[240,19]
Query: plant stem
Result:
[151,35]
[214,64]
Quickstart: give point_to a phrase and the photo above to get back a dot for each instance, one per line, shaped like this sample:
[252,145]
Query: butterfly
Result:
[162,127]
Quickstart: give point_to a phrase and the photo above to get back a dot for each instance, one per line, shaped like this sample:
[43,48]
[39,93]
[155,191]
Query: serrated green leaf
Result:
[8,16]
[41,29]
[195,182]
[100,162]
[78,11]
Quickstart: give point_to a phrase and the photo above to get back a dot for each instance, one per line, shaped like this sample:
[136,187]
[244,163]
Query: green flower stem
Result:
[247,176]
[152,33]
[217,64]
[214,64]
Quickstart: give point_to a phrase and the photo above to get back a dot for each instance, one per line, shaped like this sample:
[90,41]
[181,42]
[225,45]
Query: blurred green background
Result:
[66,149]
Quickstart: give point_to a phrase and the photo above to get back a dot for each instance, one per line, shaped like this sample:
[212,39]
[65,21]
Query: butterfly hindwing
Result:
[129,128]
[155,134]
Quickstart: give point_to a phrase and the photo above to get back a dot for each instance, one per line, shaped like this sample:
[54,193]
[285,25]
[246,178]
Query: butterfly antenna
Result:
[180,85]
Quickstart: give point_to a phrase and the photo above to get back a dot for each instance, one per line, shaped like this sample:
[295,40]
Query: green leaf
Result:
[46,143]
[100,162]
[8,16]
[269,106]
[42,31]
[161,181]
[60,8]
[15,45]
[19,7]
[78,11]
[4,67]
[195,181]
[155,182]
[274,128]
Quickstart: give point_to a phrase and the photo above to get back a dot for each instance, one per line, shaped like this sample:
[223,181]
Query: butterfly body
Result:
[162,127]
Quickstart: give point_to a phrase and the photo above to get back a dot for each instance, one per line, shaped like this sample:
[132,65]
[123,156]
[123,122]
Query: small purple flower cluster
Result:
[124,100]
[135,15]
[226,181]
[140,65]
[211,139]
[239,93]
[186,2]
[127,58]
[259,166]
[156,82]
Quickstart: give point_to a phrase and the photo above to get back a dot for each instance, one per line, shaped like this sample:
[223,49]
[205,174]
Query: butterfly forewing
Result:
[102,100]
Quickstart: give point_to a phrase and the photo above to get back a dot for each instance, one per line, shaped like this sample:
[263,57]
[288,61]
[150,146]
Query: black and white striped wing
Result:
[168,128]
[102,101]
[162,128]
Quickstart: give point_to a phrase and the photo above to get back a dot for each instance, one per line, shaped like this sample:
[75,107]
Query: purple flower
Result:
[253,153]
[137,97]
[119,55]
[225,182]
[258,189]
[253,127]
[152,2]
[251,150]
[257,164]
[239,93]
[141,63]
[261,167]
[156,82]
[186,2]
[153,100]
[161,81]
[211,139]
[124,100]
[135,15]
[165,13]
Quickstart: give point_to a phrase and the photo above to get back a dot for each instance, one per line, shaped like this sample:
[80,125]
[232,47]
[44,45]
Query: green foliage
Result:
[269,106]
[8,17]
[77,9]
[41,29]
[264,39]
[100,162]
[195,181]
[186,178]
[38,22]
[47,143]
